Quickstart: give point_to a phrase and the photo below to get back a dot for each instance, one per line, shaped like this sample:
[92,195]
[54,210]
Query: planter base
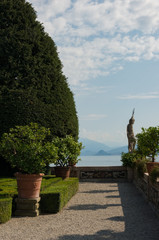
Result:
[27,207]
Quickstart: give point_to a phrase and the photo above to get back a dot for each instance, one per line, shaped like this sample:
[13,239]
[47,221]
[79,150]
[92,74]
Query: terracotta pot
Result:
[72,164]
[63,172]
[151,165]
[29,185]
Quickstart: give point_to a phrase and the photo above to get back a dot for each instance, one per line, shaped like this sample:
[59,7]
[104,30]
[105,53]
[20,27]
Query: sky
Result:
[110,55]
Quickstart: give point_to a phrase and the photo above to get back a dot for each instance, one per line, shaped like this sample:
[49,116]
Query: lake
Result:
[100,161]
[103,161]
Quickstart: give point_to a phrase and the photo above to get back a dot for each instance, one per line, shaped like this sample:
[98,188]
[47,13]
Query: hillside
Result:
[93,148]
[102,153]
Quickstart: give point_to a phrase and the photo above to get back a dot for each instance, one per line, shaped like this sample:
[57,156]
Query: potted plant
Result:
[128,159]
[27,149]
[68,152]
[140,166]
[154,174]
[134,160]
[148,145]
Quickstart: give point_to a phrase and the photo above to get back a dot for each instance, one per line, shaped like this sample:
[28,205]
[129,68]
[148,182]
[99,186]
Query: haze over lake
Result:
[100,161]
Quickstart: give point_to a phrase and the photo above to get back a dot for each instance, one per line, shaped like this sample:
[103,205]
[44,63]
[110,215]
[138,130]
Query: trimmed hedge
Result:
[5,209]
[49,180]
[54,198]
[55,192]
[8,187]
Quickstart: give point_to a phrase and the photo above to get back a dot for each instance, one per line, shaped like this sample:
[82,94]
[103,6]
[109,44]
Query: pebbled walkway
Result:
[111,211]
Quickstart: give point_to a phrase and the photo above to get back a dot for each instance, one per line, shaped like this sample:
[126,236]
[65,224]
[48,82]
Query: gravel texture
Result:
[111,211]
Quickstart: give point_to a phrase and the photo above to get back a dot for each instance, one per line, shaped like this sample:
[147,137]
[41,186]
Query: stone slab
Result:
[26,213]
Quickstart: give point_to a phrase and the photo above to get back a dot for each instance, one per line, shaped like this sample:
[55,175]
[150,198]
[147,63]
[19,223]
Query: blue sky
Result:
[110,53]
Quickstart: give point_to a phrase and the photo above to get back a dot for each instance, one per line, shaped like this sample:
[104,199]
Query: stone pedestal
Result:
[27,207]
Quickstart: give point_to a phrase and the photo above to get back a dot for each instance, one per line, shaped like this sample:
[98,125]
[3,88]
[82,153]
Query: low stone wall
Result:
[149,190]
[99,173]
[117,173]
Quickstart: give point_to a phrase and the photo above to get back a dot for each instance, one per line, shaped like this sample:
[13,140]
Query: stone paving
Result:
[111,211]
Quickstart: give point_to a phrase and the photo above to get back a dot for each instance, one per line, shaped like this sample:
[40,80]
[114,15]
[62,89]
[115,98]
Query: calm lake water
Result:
[100,161]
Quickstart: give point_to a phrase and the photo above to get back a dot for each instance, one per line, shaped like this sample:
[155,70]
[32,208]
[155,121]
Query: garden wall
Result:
[149,190]
[116,173]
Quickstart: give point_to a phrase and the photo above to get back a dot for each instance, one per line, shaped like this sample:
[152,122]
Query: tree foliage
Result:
[33,87]
[128,159]
[154,174]
[31,74]
[148,142]
[28,149]
[68,151]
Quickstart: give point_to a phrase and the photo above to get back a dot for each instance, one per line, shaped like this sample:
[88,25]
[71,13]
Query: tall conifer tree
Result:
[33,87]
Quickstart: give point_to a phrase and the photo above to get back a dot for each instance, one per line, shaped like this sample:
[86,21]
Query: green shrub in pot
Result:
[68,151]
[128,159]
[141,167]
[28,148]
[154,174]
[148,142]
[148,145]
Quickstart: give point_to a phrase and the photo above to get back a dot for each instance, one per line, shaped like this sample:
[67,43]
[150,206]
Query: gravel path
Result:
[111,211]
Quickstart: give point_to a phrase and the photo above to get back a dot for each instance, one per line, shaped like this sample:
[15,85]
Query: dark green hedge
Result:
[33,87]
[54,198]
[5,209]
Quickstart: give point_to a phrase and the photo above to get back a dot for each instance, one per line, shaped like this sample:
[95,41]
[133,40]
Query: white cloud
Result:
[87,90]
[51,8]
[104,137]
[94,117]
[94,135]
[94,36]
[153,95]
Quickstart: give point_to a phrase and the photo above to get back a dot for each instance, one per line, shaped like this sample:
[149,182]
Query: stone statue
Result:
[130,134]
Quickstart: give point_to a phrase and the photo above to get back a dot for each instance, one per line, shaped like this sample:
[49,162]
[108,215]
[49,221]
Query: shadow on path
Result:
[100,191]
[140,221]
[92,207]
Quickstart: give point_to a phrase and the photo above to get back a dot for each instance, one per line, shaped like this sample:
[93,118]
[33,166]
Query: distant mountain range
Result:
[93,148]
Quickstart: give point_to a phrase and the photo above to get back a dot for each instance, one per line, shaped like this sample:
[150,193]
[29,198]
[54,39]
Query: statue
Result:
[130,134]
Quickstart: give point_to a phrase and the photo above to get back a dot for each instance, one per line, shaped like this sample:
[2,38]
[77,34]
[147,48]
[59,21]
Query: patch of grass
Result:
[49,180]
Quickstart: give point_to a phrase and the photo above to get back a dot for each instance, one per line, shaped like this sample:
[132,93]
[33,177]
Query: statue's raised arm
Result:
[130,133]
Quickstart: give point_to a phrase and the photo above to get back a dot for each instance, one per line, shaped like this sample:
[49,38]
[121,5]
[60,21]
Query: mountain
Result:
[102,153]
[114,151]
[118,151]
[92,147]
